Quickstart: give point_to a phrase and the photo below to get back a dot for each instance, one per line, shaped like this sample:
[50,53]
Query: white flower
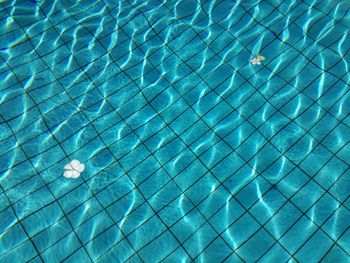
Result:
[255,61]
[73,169]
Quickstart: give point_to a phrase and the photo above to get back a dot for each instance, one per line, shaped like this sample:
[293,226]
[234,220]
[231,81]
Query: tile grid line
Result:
[195,86]
[130,179]
[146,18]
[321,106]
[290,160]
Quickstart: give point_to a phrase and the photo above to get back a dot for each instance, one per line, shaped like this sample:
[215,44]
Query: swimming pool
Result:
[210,131]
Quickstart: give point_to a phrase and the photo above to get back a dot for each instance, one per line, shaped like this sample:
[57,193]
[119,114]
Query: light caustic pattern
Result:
[209,131]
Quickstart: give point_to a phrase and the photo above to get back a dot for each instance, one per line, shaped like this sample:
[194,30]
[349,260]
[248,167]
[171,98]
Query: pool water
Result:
[193,150]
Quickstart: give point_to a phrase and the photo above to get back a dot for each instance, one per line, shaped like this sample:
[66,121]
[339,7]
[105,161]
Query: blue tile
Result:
[7,218]
[323,209]
[62,249]
[315,248]
[124,145]
[215,115]
[256,246]
[249,148]
[169,151]
[185,121]
[340,189]
[177,209]
[337,139]
[298,234]
[268,205]
[330,172]
[275,254]
[121,208]
[117,190]
[288,136]
[78,256]
[283,220]
[316,160]
[139,153]
[307,196]
[324,127]
[146,233]
[25,189]
[51,235]
[265,158]
[135,218]
[4,202]
[106,177]
[75,123]
[172,113]
[47,216]
[33,202]
[178,255]
[160,248]
[48,159]
[102,243]
[202,238]
[344,241]
[121,251]
[16,106]
[300,150]
[311,117]
[153,184]
[202,189]
[75,198]
[166,195]
[12,238]
[215,154]
[252,193]
[93,227]
[84,212]
[189,223]
[218,198]
[192,134]
[186,177]
[144,169]
[191,151]
[204,143]
[12,158]
[226,216]
[227,167]
[23,253]
[216,251]
[292,182]
[335,254]
[159,139]
[240,231]
[338,223]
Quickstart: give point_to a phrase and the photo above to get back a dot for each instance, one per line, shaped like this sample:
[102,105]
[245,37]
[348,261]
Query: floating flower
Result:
[261,58]
[255,61]
[73,169]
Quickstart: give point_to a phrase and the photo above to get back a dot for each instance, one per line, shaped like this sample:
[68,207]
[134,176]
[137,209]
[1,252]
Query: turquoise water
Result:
[191,152]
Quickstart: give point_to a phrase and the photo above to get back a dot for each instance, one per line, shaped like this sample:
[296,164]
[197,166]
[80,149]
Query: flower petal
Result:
[71,174]
[80,167]
[68,167]
[74,163]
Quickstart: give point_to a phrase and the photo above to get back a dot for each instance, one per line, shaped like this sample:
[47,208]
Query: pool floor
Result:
[200,131]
